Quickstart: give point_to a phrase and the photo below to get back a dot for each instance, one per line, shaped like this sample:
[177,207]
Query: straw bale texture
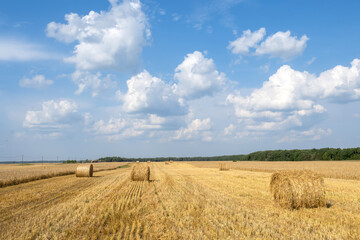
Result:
[84,170]
[298,189]
[140,173]
[167,163]
[223,167]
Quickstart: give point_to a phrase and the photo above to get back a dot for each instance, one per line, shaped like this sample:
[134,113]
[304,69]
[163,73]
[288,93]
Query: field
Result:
[182,201]
[12,174]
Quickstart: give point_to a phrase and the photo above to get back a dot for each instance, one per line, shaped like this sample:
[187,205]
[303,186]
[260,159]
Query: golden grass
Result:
[13,174]
[298,189]
[84,170]
[223,167]
[183,202]
[140,173]
[329,169]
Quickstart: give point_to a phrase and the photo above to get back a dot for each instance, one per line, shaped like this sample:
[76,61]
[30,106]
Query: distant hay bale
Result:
[166,163]
[298,189]
[148,161]
[140,173]
[92,161]
[223,167]
[171,161]
[137,162]
[84,170]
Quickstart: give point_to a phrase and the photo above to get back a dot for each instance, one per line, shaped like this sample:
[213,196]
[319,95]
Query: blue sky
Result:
[86,79]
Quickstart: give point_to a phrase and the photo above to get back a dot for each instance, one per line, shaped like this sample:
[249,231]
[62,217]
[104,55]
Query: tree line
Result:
[322,154]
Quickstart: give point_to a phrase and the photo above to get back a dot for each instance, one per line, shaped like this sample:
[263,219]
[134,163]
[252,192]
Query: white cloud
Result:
[248,40]
[37,81]
[176,16]
[107,40]
[229,130]
[53,115]
[113,126]
[197,77]
[291,97]
[86,80]
[312,135]
[15,50]
[148,94]
[282,45]
[195,129]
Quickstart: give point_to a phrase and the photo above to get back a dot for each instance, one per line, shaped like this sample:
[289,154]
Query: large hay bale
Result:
[298,189]
[84,170]
[140,173]
[148,161]
[223,167]
[166,163]
[171,161]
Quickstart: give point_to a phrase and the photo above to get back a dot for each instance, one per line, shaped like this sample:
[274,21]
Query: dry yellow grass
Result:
[182,202]
[140,173]
[223,167]
[298,188]
[330,169]
[84,170]
[13,174]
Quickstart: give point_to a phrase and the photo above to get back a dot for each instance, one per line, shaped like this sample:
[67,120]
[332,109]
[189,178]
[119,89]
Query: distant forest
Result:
[323,154]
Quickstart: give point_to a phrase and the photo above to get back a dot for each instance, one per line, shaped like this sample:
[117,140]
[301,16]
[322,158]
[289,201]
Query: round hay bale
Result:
[171,161]
[140,173]
[148,162]
[298,189]
[137,162]
[85,170]
[223,167]
[166,163]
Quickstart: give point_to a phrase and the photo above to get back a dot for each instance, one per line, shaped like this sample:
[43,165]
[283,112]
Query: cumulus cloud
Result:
[95,82]
[248,40]
[283,45]
[107,40]
[15,50]
[197,77]
[37,81]
[53,115]
[289,97]
[280,44]
[197,128]
[148,94]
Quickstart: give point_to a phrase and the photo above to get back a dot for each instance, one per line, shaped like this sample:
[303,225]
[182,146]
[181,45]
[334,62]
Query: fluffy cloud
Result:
[107,40]
[95,82]
[280,44]
[37,81]
[290,97]
[53,115]
[248,40]
[195,129]
[113,126]
[148,94]
[15,50]
[197,76]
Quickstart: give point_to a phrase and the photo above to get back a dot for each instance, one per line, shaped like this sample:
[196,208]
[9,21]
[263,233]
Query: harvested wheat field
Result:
[180,201]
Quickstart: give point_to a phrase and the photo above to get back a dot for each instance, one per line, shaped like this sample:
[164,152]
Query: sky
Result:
[89,79]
